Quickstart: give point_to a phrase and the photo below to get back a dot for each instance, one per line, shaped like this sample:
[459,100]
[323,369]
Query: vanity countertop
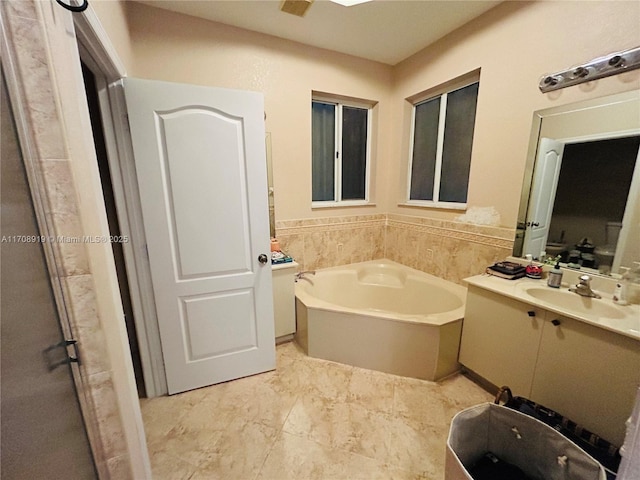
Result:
[602,312]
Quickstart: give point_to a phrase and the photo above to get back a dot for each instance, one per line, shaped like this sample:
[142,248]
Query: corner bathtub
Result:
[382,316]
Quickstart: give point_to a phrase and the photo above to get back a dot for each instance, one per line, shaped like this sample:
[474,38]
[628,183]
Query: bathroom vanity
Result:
[579,356]
[284,300]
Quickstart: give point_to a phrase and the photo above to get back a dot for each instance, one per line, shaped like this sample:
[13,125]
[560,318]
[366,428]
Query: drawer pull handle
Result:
[531,313]
[555,322]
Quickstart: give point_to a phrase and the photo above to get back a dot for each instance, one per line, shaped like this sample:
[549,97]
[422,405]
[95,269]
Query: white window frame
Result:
[339,103]
[442,93]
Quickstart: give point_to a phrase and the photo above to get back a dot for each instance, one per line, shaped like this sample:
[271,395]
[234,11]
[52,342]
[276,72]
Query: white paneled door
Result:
[201,168]
[543,194]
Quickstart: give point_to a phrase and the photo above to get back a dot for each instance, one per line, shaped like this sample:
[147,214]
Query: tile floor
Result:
[308,419]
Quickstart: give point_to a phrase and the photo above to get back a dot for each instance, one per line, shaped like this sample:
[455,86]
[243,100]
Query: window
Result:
[441,140]
[340,154]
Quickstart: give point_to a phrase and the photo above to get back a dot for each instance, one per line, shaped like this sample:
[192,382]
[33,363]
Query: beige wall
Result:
[113,17]
[513,44]
[178,48]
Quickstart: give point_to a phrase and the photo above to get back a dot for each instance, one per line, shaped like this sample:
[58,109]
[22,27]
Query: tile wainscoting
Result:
[332,241]
[446,249]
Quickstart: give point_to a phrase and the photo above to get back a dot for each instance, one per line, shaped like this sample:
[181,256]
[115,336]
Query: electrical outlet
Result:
[429,254]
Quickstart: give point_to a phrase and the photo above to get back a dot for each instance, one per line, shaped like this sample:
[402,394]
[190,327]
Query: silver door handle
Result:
[262,258]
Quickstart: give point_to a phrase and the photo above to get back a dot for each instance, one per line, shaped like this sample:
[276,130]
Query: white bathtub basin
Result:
[381,315]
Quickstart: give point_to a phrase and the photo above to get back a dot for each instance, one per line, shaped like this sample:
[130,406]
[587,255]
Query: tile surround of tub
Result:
[328,242]
[446,249]
[35,94]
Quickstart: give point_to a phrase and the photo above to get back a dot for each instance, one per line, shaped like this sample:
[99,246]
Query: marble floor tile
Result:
[460,393]
[167,467]
[269,405]
[370,389]
[239,453]
[308,419]
[193,446]
[417,447]
[340,425]
[295,458]
[161,414]
[422,401]
[328,380]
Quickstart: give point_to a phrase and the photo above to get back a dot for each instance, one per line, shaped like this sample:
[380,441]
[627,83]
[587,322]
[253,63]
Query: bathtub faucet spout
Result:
[300,275]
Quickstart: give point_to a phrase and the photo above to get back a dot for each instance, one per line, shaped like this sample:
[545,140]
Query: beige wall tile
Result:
[120,468]
[72,255]
[105,404]
[450,250]
[58,183]
[80,296]
[94,357]
[22,8]
[327,242]
[27,39]
[293,245]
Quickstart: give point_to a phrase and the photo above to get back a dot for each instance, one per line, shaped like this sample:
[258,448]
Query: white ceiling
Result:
[386,31]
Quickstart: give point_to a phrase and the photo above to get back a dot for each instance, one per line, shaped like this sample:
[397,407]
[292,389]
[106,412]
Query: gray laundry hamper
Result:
[538,450]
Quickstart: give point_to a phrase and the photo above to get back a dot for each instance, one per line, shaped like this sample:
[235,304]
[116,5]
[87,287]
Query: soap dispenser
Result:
[555,277]
[620,292]
[633,288]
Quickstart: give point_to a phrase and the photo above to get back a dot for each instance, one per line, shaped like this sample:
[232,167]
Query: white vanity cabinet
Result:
[500,339]
[284,299]
[585,372]
[589,374]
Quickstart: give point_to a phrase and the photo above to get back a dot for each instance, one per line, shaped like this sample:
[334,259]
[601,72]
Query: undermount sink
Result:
[570,301]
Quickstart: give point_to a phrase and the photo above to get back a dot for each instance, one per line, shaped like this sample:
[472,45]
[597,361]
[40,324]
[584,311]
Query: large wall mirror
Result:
[581,192]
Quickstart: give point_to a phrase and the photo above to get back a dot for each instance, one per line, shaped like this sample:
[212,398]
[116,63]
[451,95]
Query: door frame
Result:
[29,151]
[52,315]
[97,51]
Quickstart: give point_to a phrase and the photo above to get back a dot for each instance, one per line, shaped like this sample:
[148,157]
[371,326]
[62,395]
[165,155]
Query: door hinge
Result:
[53,361]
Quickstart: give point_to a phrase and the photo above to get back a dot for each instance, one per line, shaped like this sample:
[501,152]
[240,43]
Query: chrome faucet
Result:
[584,288]
[300,275]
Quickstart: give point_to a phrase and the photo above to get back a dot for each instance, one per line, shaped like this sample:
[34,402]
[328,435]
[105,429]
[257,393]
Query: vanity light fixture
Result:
[300,7]
[606,66]
[350,3]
